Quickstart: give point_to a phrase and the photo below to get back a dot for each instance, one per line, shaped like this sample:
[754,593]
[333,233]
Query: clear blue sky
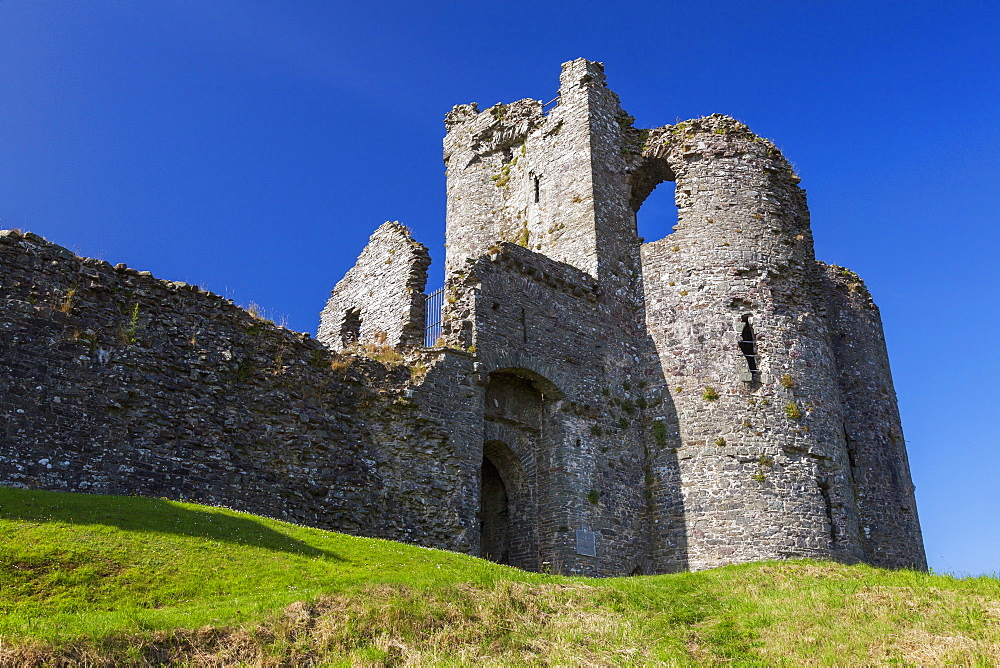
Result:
[251,147]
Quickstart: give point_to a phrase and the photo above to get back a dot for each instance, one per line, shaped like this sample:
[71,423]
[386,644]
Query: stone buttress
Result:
[890,530]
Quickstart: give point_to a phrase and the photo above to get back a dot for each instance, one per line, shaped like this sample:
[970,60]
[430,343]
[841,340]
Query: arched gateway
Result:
[515,456]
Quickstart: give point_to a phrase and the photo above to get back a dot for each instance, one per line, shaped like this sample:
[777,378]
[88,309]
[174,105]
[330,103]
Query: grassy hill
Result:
[116,580]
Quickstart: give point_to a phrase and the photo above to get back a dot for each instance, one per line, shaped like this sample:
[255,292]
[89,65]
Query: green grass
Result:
[116,580]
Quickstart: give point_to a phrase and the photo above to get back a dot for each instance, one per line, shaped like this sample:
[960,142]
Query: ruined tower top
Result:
[548,179]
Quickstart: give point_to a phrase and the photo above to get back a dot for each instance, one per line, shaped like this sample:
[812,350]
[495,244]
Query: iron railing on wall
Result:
[432,317]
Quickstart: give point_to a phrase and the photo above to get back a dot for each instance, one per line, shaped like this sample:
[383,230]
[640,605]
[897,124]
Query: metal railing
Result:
[432,317]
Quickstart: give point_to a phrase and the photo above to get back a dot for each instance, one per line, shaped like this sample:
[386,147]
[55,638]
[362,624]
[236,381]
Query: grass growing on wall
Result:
[119,580]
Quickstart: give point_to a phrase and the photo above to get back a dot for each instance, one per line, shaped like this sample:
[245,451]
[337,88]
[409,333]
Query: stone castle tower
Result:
[595,404]
[714,396]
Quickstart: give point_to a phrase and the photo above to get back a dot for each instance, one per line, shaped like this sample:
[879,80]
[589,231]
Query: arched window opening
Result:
[537,185]
[350,329]
[748,347]
[652,197]
[656,216]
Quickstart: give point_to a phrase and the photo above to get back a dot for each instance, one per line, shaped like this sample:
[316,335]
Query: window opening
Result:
[748,346]
[657,215]
[350,329]
[824,490]
[851,454]
[538,187]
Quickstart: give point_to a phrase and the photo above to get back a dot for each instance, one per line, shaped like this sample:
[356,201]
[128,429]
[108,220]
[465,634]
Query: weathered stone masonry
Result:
[381,300]
[112,381]
[595,404]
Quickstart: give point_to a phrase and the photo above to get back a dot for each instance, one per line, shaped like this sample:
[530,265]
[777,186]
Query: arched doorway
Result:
[494,518]
[506,508]
[516,468]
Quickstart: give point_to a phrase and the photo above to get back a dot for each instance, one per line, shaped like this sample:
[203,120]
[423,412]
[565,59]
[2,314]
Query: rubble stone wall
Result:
[763,458]
[112,381]
[520,176]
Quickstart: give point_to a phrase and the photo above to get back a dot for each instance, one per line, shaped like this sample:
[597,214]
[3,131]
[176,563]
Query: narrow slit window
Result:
[851,452]
[824,490]
[350,330]
[538,186]
[748,345]
[851,456]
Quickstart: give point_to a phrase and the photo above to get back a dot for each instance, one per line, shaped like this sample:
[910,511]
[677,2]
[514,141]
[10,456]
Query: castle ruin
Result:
[593,404]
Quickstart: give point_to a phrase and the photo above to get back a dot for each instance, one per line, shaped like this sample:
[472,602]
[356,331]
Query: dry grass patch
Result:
[918,647]
[510,624]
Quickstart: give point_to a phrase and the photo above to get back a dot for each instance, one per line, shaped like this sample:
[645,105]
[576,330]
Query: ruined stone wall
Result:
[556,185]
[112,381]
[890,530]
[489,184]
[380,301]
[763,462]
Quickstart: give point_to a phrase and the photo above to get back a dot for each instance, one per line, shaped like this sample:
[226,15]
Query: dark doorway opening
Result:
[350,329]
[494,515]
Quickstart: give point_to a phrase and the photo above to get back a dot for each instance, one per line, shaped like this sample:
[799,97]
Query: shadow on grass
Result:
[140,514]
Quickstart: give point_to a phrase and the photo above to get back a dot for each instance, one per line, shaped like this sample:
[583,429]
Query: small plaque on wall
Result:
[586,542]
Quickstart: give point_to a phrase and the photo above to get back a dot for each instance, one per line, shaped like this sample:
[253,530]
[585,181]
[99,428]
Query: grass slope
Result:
[115,580]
